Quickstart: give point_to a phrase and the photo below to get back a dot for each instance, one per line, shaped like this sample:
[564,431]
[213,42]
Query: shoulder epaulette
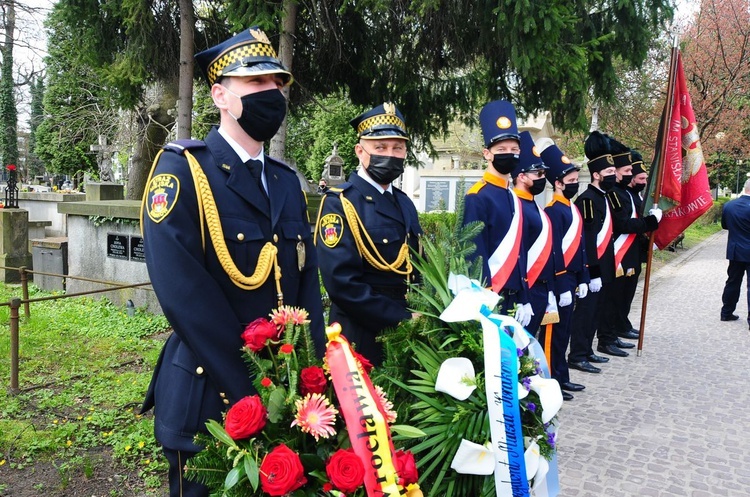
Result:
[587,210]
[179,146]
[277,162]
[476,187]
[614,200]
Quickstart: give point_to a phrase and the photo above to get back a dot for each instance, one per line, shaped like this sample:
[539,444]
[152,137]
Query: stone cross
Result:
[104,159]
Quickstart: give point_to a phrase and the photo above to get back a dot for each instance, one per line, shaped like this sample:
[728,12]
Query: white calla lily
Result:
[456,377]
[522,392]
[469,300]
[531,459]
[541,473]
[550,395]
[474,459]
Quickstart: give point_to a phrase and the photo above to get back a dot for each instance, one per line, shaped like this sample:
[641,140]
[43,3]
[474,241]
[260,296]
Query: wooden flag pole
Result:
[664,133]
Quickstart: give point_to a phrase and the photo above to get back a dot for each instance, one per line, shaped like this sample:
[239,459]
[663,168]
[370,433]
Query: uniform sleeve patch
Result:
[163,190]
[331,229]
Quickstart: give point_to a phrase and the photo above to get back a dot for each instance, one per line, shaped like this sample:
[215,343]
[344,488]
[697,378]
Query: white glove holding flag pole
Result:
[595,285]
[656,212]
[582,291]
[566,298]
[523,314]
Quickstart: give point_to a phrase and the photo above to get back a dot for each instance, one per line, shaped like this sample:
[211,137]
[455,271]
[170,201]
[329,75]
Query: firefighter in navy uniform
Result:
[529,180]
[364,234]
[628,228]
[227,238]
[597,235]
[492,201]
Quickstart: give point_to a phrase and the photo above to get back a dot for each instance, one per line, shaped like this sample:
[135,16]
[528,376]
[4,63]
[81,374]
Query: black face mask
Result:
[384,169]
[538,187]
[626,179]
[570,190]
[505,163]
[262,113]
[608,182]
[638,187]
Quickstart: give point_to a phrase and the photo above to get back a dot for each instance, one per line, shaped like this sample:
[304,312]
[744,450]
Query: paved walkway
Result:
[675,421]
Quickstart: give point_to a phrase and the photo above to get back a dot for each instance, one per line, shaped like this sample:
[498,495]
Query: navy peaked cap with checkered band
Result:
[248,53]
[384,121]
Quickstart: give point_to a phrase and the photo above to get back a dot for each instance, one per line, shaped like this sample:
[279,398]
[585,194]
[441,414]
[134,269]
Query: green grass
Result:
[84,369]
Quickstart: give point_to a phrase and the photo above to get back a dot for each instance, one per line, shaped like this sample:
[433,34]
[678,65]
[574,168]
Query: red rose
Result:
[287,348]
[366,365]
[258,332]
[246,418]
[406,468]
[11,167]
[266,382]
[345,471]
[313,380]
[281,471]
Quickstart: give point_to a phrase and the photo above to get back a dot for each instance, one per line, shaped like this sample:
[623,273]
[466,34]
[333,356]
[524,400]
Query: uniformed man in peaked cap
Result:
[227,240]
[492,201]
[365,231]
[571,269]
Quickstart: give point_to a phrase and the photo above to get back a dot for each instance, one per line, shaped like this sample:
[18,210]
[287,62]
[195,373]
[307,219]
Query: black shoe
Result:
[567,396]
[731,317]
[623,345]
[611,349]
[630,334]
[571,387]
[584,366]
[598,358]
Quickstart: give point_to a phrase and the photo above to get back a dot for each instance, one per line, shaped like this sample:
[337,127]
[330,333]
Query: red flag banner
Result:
[684,194]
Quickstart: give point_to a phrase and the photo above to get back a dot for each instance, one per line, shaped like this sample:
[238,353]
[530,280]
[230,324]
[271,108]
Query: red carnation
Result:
[345,471]
[281,471]
[246,418]
[258,332]
[266,382]
[287,348]
[11,167]
[406,468]
[313,380]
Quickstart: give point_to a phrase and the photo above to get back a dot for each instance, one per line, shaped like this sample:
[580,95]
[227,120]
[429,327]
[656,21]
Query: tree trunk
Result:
[8,112]
[152,128]
[286,53]
[185,101]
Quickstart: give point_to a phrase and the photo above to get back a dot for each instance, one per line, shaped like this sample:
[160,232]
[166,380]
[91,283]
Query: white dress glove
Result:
[523,314]
[595,285]
[656,213]
[583,290]
[566,298]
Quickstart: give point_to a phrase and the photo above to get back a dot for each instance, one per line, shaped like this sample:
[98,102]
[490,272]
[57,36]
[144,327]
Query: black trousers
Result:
[619,298]
[735,272]
[559,344]
[609,302]
[583,327]
[538,298]
[179,486]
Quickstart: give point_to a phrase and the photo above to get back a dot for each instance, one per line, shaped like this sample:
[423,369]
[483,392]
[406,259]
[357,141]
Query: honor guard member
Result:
[493,202]
[735,217]
[227,239]
[529,180]
[571,271]
[597,235]
[365,231]
[627,225]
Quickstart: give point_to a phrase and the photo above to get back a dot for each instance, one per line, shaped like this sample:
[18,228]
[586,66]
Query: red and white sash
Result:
[540,250]
[605,234]
[572,239]
[505,257]
[623,242]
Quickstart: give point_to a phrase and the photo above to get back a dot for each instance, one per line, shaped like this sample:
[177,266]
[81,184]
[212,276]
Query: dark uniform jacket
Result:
[576,272]
[201,371]
[622,202]
[532,229]
[735,217]
[592,205]
[365,299]
[491,202]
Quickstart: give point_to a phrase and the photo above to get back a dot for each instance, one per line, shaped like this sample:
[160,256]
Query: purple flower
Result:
[531,407]
[551,439]
[526,382]
[519,352]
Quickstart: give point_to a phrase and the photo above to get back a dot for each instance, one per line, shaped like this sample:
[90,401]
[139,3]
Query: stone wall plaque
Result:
[136,249]
[437,195]
[117,246]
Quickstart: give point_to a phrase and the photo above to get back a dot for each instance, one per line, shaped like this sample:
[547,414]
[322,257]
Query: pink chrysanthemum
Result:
[390,414]
[315,415]
[287,314]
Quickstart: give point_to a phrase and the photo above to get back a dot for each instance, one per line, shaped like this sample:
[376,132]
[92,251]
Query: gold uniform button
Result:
[240,236]
[226,401]
[275,238]
[199,370]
